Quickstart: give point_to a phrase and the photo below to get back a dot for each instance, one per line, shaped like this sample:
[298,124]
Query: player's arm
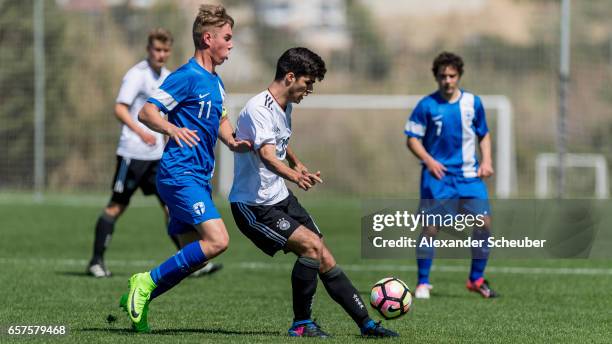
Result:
[433,166]
[299,167]
[486,165]
[149,116]
[482,131]
[267,153]
[226,135]
[131,85]
[122,113]
[294,162]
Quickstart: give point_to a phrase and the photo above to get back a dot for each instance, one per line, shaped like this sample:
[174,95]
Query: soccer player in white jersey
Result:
[443,131]
[139,148]
[270,215]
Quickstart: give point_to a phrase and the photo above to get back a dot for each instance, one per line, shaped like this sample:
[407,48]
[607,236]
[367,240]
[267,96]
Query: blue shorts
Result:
[188,205]
[453,195]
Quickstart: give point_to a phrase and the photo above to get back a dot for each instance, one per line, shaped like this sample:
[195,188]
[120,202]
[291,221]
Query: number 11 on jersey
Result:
[209,103]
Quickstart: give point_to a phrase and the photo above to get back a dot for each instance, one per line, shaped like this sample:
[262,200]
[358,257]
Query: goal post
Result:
[598,162]
[505,161]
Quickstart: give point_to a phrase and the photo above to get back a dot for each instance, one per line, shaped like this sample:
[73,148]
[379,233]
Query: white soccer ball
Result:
[391,297]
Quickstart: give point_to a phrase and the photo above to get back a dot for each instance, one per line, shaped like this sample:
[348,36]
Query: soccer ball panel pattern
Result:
[391,297]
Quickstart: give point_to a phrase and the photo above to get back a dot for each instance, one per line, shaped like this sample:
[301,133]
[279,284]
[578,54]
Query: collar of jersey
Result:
[198,67]
[447,102]
[276,102]
[153,72]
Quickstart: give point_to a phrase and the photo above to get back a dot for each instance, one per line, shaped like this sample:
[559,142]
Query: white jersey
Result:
[137,85]
[262,121]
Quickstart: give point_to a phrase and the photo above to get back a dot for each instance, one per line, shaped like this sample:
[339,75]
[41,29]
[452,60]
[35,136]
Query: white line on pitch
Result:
[447,268]
[349,267]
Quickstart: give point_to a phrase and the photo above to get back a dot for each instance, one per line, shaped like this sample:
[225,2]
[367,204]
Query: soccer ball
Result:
[391,297]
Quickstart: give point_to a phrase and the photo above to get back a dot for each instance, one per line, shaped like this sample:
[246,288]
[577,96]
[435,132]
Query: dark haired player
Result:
[268,213]
[443,132]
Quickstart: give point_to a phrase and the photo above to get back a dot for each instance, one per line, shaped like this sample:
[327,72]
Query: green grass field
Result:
[44,248]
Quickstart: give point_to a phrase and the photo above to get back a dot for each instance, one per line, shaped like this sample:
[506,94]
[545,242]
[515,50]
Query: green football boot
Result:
[137,302]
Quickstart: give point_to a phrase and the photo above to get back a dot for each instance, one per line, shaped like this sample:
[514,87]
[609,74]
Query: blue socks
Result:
[176,268]
[424,260]
[480,255]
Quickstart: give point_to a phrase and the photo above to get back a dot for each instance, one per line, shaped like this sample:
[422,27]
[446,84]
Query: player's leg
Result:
[341,289]
[209,267]
[149,186]
[306,243]
[271,229]
[475,201]
[337,284]
[434,194]
[191,207]
[208,241]
[124,186]
[307,246]
[105,226]
[425,255]
[480,256]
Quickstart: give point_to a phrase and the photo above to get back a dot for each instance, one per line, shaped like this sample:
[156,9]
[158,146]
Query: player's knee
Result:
[223,243]
[485,224]
[327,261]
[219,244]
[114,210]
[312,247]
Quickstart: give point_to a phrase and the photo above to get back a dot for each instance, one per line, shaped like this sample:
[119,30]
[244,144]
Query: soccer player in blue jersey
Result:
[192,98]
[443,131]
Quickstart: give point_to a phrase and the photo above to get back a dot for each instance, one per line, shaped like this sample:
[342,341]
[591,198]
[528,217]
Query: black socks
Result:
[104,231]
[304,283]
[341,290]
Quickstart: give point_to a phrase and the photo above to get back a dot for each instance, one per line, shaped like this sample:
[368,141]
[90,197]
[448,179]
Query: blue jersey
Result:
[450,131]
[192,98]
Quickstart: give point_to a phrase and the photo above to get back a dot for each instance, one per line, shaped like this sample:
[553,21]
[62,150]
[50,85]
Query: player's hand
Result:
[184,134]
[300,168]
[240,146]
[485,170]
[148,138]
[314,177]
[435,168]
[304,182]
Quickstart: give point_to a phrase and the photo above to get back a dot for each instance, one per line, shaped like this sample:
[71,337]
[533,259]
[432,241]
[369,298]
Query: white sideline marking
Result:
[349,267]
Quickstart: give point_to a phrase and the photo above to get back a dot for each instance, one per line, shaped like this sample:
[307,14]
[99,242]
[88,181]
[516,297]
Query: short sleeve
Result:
[257,126]
[172,91]
[417,123]
[480,121]
[130,87]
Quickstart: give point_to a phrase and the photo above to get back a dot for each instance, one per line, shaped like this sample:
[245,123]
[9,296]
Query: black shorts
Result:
[132,174]
[269,226]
